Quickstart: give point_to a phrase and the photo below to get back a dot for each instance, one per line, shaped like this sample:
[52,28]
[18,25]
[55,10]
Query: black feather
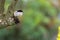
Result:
[16,20]
[19,11]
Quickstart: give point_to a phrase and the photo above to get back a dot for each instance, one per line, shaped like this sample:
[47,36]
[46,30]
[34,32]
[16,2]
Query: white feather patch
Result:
[18,13]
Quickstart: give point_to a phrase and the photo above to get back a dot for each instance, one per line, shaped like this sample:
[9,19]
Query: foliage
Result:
[36,12]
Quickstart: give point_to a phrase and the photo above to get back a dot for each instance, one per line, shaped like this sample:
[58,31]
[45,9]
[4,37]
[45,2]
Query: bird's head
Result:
[18,13]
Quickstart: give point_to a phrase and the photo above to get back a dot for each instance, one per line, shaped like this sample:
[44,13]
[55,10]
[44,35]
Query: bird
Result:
[17,16]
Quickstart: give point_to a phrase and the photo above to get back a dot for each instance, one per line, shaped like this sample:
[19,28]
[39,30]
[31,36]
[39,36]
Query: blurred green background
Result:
[40,20]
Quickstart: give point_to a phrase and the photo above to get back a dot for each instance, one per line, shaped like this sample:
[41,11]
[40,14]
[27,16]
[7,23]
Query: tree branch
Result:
[10,10]
[2,3]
